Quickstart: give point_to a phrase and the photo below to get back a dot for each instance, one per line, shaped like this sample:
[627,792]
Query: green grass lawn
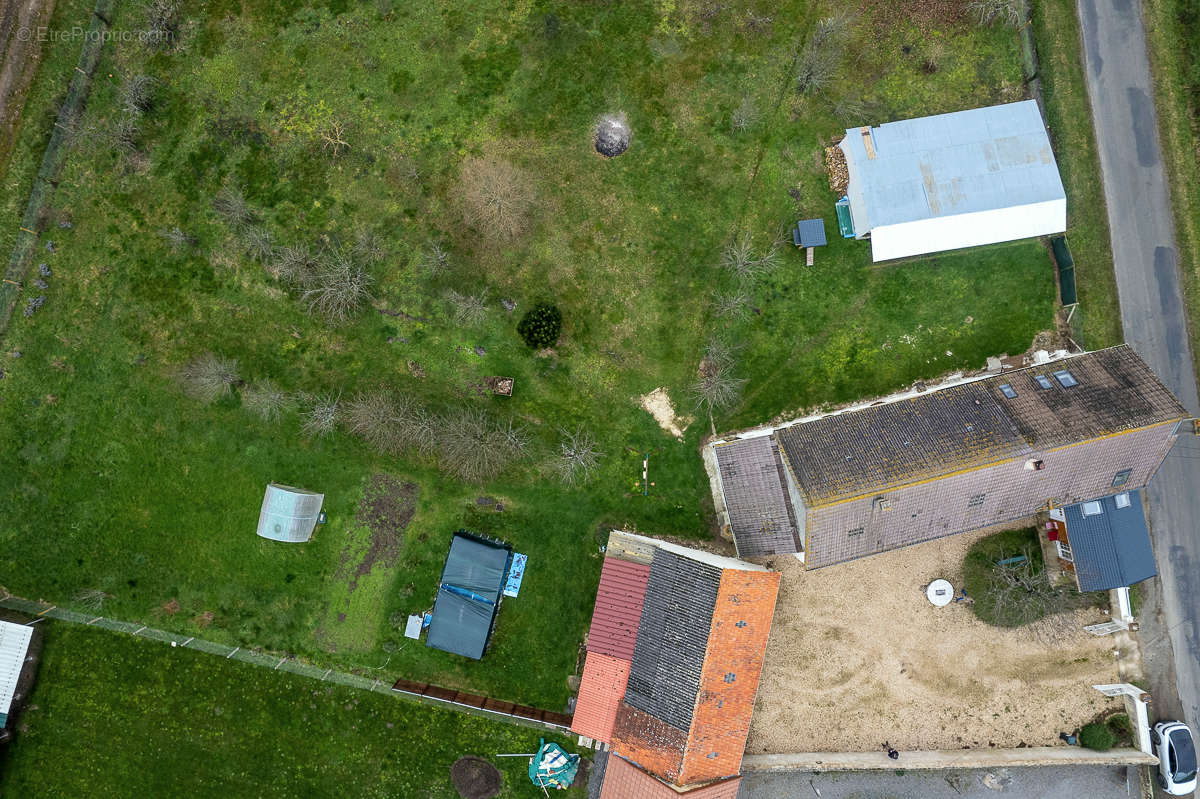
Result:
[138,719]
[113,480]
[1069,117]
[1173,41]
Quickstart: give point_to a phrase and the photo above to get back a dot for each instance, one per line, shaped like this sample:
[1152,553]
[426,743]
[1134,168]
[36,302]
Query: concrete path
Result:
[1144,254]
[1053,782]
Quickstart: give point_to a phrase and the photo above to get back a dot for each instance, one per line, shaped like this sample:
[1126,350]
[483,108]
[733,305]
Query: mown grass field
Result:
[113,480]
[1069,117]
[136,718]
[1173,40]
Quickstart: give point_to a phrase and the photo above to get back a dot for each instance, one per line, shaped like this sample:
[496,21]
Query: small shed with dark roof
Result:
[1109,542]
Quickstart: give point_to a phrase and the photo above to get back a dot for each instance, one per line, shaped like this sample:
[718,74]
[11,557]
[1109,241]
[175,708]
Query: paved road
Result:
[1057,782]
[1143,241]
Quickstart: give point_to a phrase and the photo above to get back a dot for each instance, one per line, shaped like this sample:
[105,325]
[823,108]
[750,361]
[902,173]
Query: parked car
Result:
[1176,753]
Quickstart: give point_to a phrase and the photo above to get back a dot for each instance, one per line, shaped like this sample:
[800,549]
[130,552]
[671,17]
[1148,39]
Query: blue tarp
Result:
[1111,549]
[468,595]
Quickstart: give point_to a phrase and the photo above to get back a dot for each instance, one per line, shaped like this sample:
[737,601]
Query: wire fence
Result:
[52,162]
[291,664]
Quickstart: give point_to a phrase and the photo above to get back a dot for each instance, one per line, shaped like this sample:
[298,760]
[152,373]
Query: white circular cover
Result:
[940,593]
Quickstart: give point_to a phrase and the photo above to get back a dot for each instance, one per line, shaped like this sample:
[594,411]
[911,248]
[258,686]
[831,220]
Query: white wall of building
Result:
[968,230]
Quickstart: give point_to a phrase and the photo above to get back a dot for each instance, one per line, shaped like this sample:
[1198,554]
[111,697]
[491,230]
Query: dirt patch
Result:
[658,404]
[475,778]
[19,58]
[858,656]
[387,506]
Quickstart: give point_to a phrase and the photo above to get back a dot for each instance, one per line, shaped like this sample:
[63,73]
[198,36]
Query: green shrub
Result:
[1120,726]
[540,325]
[1096,736]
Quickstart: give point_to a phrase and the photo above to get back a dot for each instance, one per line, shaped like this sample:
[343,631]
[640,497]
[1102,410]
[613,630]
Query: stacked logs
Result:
[835,167]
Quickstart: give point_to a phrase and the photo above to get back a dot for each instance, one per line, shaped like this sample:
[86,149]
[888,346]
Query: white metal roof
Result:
[964,162]
[14,643]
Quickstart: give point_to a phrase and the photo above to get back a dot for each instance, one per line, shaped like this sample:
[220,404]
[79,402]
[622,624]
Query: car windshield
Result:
[1184,756]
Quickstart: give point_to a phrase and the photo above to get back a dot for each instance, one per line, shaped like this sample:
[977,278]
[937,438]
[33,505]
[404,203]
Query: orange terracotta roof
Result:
[623,780]
[711,748]
[600,692]
[618,608]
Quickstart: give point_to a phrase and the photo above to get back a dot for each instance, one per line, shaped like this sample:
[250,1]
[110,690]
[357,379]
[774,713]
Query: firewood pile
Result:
[835,167]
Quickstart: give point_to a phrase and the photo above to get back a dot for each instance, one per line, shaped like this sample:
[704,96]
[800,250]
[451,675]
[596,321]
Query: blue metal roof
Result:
[1111,549]
[811,233]
[964,162]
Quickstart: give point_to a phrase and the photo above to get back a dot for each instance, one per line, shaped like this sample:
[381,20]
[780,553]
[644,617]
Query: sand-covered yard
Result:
[857,656]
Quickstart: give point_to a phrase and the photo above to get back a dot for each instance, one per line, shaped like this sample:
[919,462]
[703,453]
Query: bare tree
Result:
[333,139]
[733,305]
[819,58]
[497,198]
[745,116]
[716,387]
[740,258]
[91,599]
[137,94]
[435,260]
[259,244]
[418,430]
[296,266]
[231,205]
[1006,12]
[321,415]
[265,399]
[369,248]
[475,447]
[123,134]
[209,377]
[577,456]
[341,287]
[178,240]
[162,23]
[373,417]
[469,309]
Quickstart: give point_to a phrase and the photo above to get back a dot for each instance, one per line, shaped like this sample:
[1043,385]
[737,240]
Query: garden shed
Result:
[289,514]
[469,595]
[955,180]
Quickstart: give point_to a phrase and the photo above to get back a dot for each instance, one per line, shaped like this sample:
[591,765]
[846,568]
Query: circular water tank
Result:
[940,593]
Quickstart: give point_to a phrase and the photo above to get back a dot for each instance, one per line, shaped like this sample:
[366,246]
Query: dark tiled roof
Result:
[672,638]
[972,424]
[618,608]
[1112,549]
[928,435]
[1117,391]
[755,496]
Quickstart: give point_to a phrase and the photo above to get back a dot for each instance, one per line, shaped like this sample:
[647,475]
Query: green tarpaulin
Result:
[552,767]
[468,595]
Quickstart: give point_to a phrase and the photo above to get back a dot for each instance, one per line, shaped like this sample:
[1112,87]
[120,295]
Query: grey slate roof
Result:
[668,658]
[963,162]
[1113,549]
[811,232]
[755,496]
[973,424]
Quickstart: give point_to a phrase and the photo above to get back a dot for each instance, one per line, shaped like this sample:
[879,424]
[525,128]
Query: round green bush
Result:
[540,325]
[1096,736]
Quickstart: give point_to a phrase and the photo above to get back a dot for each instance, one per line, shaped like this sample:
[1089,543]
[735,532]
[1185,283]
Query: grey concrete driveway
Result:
[1144,254]
[1057,782]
